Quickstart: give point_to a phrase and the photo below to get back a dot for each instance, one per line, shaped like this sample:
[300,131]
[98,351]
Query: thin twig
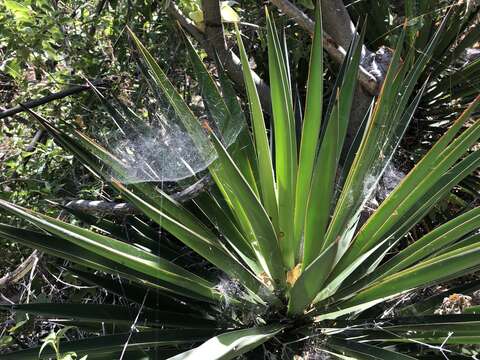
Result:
[133,327]
[21,271]
[48,98]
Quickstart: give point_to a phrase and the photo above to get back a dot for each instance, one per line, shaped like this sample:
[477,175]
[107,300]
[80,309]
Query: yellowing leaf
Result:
[21,12]
[228,14]
[196,16]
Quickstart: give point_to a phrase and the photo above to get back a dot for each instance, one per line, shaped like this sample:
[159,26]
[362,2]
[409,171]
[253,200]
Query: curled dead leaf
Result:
[293,274]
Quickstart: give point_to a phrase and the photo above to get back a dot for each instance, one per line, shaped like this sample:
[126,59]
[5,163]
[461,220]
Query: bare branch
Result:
[21,271]
[336,19]
[102,207]
[213,41]
[39,134]
[339,31]
[334,47]
[48,98]
[124,209]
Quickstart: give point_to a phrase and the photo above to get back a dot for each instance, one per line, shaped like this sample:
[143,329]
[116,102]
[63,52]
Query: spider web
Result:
[157,146]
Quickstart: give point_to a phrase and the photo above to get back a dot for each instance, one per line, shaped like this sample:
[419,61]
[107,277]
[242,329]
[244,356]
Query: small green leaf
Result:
[20,11]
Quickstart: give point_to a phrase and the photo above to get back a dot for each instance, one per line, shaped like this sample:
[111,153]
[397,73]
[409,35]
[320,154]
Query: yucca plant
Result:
[288,260]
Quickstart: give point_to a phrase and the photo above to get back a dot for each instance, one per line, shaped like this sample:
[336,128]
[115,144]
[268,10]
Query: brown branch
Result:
[338,33]
[212,41]
[334,47]
[336,19]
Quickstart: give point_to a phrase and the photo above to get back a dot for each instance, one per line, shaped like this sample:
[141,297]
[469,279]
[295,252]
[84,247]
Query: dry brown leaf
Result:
[293,274]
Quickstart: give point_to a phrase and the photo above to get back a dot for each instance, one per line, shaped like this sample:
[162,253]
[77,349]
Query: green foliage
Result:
[53,340]
[282,222]
[47,47]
